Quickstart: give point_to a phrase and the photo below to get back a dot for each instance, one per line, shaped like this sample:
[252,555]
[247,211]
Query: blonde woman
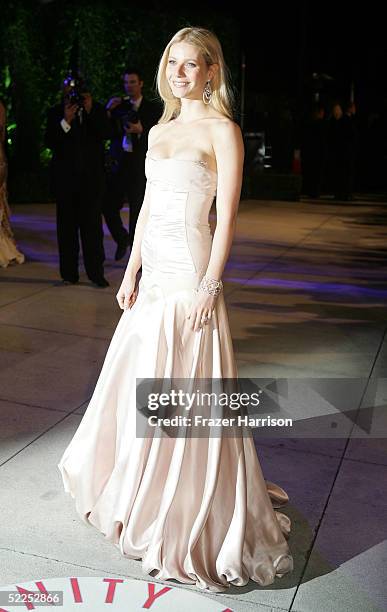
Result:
[8,249]
[194,509]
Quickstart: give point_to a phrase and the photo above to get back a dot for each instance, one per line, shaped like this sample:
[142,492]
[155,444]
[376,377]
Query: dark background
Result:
[281,44]
[289,42]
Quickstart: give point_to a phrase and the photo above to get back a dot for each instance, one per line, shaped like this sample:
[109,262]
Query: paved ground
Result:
[307,296]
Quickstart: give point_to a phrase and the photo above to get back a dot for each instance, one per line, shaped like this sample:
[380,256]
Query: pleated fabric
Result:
[197,510]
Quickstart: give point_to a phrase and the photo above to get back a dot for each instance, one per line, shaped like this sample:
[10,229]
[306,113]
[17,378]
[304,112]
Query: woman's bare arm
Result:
[134,263]
[227,143]
[229,152]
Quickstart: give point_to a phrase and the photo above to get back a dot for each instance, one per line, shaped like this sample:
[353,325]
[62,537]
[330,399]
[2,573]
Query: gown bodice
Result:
[177,239]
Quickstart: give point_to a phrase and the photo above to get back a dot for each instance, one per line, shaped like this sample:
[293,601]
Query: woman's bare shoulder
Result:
[155,132]
[224,124]
[156,128]
[225,130]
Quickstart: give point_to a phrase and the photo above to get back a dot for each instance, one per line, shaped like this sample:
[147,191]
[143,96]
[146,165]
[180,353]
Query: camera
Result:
[126,113]
[75,91]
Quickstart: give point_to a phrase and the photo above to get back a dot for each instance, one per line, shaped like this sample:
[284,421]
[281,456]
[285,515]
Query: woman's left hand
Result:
[201,310]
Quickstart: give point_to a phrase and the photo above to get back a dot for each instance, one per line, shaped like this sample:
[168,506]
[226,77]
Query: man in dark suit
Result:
[131,116]
[76,131]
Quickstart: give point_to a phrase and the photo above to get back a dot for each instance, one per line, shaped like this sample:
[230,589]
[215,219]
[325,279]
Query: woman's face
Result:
[187,71]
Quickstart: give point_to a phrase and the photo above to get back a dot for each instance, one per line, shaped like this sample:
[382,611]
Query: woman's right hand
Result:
[127,293]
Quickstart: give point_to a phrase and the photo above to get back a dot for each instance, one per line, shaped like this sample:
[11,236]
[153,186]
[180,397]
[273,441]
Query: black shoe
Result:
[69,281]
[121,251]
[100,282]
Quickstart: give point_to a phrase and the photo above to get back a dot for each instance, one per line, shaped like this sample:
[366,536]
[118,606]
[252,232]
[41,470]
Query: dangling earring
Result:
[207,93]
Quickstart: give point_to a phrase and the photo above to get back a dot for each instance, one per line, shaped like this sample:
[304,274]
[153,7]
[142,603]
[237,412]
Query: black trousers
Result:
[79,215]
[313,172]
[341,176]
[126,181]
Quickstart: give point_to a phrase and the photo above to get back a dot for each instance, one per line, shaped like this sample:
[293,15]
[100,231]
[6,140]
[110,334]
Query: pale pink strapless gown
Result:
[194,509]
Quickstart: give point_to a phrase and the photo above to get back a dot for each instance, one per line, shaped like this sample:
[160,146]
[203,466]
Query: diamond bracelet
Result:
[211,286]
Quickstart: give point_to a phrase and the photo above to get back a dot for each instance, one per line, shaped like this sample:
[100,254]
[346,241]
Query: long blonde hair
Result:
[208,44]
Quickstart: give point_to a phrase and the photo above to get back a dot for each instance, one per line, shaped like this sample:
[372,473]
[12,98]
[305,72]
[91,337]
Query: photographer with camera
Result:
[131,118]
[76,131]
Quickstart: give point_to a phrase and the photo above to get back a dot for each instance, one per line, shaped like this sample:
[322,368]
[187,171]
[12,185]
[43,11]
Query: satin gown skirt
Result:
[197,510]
[8,249]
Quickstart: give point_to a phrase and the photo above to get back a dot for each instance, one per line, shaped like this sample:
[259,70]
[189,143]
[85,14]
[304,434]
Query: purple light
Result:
[338,288]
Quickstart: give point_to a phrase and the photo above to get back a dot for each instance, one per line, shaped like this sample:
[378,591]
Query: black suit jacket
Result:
[78,155]
[149,113]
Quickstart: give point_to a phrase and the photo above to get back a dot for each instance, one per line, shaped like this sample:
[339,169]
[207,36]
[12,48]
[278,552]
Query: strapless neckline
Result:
[198,162]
